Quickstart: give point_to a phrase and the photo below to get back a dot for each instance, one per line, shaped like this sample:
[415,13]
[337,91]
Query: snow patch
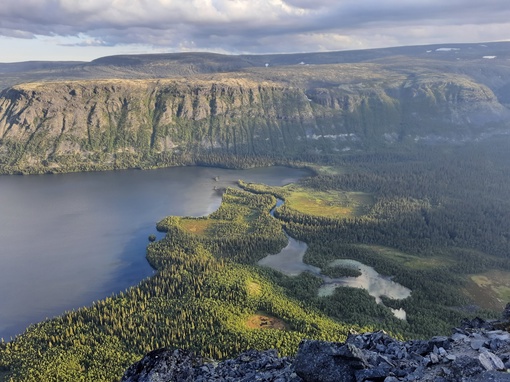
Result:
[342,137]
[489,57]
[446,49]
[390,137]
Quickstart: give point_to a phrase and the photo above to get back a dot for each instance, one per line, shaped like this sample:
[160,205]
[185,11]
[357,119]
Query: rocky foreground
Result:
[477,351]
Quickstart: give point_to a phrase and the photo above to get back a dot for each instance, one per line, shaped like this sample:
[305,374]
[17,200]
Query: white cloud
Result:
[255,26]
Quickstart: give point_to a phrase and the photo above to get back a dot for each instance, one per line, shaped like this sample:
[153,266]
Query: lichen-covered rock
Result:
[321,361]
[163,365]
[477,352]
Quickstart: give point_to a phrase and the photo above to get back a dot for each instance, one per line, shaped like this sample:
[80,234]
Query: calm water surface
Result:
[374,283]
[290,262]
[67,240]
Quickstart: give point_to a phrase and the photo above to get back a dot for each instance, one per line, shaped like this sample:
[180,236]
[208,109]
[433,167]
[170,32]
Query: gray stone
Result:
[382,360]
[498,334]
[440,342]
[416,375]
[416,357]
[465,366]
[162,365]
[451,357]
[459,337]
[376,374]
[321,361]
[446,371]
[401,373]
[495,344]
[420,347]
[476,323]
[476,344]
[401,354]
[490,361]
[491,376]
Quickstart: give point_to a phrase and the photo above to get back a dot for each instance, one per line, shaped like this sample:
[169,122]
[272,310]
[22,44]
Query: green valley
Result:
[209,296]
[411,177]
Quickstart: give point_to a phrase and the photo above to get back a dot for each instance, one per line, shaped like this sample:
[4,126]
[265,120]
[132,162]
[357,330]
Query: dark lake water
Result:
[67,240]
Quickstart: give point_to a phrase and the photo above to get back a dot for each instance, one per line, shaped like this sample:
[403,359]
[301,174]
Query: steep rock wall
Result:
[102,124]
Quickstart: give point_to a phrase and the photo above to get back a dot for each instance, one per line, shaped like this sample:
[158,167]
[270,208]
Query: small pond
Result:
[374,283]
[290,262]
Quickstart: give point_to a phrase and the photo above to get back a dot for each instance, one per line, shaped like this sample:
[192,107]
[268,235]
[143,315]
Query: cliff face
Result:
[101,124]
[130,122]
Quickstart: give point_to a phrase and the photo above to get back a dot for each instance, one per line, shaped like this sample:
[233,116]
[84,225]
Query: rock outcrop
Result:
[121,123]
[477,351]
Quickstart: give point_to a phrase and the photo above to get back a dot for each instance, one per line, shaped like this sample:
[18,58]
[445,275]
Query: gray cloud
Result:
[257,25]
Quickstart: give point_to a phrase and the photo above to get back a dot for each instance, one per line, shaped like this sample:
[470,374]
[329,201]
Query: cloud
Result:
[7,32]
[256,25]
[84,41]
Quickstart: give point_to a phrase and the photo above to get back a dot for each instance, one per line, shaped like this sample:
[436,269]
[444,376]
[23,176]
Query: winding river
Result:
[67,240]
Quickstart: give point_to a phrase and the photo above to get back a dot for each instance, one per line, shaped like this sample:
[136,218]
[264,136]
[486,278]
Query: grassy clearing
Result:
[241,218]
[196,226]
[254,288]
[328,170]
[333,204]
[261,320]
[410,261]
[490,290]
[231,218]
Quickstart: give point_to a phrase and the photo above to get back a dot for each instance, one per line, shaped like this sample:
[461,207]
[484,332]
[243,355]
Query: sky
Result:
[82,30]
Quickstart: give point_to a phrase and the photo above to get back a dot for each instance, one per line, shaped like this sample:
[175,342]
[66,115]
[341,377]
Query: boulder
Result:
[321,361]
[163,365]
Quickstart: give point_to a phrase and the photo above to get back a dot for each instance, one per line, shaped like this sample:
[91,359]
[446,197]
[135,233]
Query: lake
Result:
[67,240]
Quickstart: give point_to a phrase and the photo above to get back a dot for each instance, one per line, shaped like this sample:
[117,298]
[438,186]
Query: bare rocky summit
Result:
[477,351]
